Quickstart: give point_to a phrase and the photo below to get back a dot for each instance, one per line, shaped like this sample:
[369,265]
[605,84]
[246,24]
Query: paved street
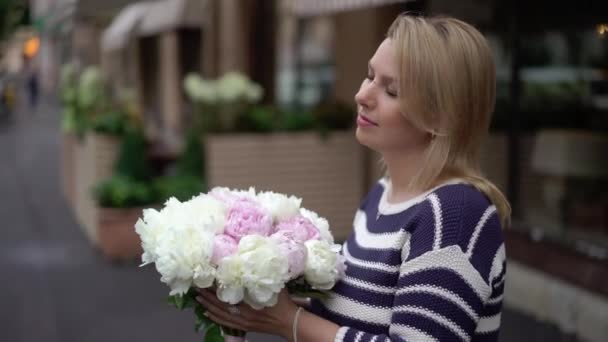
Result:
[56,288]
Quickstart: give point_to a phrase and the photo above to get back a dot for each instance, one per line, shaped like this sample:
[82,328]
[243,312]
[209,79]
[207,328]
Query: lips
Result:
[362,118]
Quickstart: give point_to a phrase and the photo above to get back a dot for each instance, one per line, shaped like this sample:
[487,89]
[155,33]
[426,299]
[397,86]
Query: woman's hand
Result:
[276,320]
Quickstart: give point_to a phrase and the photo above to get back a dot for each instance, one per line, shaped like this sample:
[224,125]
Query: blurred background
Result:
[110,106]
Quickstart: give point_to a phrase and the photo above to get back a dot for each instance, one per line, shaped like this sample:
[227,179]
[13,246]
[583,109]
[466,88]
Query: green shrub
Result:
[191,162]
[113,123]
[124,192]
[181,187]
[132,162]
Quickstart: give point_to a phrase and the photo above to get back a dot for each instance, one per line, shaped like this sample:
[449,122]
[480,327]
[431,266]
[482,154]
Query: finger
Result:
[226,323]
[218,309]
[245,310]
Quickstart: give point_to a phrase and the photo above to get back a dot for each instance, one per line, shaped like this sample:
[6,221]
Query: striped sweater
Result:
[428,269]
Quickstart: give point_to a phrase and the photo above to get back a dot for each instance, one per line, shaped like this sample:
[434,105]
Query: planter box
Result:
[68,151]
[94,161]
[328,174]
[116,234]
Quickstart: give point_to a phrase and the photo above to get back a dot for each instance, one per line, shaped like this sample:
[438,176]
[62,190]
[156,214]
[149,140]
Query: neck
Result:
[402,168]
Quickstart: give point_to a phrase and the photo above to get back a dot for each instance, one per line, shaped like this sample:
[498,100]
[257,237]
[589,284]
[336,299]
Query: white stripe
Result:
[369,240]
[454,259]
[500,282]
[437,214]
[491,209]
[454,298]
[497,263]
[374,338]
[349,308]
[437,318]
[367,285]
[410,334]
[405,250]
[495,300]
[368,264]
[358,336]
[340,334]
[488,324]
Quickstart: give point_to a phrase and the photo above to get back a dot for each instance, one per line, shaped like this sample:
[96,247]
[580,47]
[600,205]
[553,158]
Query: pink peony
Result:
[245,217]
[299,229]
[223,246]
[294,251]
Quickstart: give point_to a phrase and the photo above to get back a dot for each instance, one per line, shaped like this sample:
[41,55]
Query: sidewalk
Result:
[56,288]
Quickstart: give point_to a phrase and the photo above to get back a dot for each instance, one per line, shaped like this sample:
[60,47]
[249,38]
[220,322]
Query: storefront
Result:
[548,148]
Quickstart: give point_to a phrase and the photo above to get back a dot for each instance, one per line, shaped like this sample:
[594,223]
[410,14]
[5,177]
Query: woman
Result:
[426,260]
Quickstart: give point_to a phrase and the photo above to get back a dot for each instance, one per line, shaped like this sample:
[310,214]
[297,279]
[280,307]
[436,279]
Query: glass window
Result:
[563,140]
[306,61]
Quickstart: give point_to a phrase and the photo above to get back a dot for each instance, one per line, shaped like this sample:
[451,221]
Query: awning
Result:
[152,17]
[167,15]
[309,8]
[123,27]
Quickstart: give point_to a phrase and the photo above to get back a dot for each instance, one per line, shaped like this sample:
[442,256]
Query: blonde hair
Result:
[447,88]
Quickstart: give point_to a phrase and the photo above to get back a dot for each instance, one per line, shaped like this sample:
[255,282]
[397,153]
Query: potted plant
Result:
[134,186]
[120,198]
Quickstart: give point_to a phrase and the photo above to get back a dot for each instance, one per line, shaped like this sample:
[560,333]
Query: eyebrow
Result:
[386,80]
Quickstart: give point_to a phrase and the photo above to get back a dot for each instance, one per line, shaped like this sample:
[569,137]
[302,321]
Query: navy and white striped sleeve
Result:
[451,274]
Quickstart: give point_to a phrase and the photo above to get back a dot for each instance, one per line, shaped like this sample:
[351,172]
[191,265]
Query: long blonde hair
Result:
[447,88]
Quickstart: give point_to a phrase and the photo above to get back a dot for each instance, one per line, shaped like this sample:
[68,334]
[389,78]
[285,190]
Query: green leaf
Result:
[179,302]
[189,299]
[171,300]
[202,322]
[213,334]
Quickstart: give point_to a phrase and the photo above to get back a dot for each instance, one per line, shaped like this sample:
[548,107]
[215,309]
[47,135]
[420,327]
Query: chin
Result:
[364,139]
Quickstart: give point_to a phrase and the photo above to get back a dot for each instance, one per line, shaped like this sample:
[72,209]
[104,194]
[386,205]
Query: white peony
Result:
[227,195]
[319,222]
[323,266]
[179,240]
[184,257]
[207,212]
[154,226]
[229,277]
[267,270]
[280,206]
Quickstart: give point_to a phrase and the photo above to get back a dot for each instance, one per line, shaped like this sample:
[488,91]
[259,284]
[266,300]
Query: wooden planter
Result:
[94,162]
[68,151]
[117,239]
[328,174]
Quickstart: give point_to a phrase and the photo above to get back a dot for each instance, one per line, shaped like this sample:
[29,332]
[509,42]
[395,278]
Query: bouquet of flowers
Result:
[247,246]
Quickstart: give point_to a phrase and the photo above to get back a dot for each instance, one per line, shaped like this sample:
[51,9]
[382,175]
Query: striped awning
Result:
[152,17]
[117,35]
[165,15]
[309,8]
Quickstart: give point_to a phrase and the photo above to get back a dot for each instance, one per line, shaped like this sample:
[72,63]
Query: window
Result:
[562,181]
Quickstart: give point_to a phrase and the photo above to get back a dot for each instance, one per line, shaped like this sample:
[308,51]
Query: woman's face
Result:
[381,124]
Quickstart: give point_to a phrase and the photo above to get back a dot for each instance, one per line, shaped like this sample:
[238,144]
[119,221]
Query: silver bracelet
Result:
[295,324]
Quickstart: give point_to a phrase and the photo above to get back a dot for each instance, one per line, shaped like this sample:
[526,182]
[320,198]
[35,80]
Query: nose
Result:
[365,97]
